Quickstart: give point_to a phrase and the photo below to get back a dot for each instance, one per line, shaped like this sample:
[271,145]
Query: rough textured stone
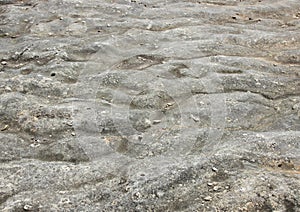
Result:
[143,105]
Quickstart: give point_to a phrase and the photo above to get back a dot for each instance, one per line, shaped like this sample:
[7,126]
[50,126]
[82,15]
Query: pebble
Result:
[159,193]
[4,128]
[296,106]
[73,134]
[214,169]
[7,88]
[210,184]
[4,63]
[147,122]
[70,124]
[34,145]
[169,104]
[208,198]
[149,26]
[156,121]
[138,195]
[196,119]
[27,207]
[216,188]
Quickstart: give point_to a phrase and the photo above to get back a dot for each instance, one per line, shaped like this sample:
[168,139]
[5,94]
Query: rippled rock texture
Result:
[150,105]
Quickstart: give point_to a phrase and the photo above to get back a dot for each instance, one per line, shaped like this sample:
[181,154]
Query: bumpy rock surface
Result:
[150,105]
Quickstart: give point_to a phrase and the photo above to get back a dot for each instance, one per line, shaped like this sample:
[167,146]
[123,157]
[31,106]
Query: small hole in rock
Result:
[279,165]
[52,74]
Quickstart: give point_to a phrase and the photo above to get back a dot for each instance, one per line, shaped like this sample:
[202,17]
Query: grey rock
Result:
[149,105]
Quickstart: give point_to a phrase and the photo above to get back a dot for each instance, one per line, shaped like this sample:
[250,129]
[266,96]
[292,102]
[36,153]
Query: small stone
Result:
[156,121]
[4,128]
[34,145]
[216,188]
[4,63]
[214,169]
[147,122]
[250,205]
[7,88]
[27,207]
[149,26]
[169,104]
[208,198]
[210,184]
[196,119]
[159,193]
[65,201]
[73,134]
[70,124]
[296,106]
[138,195]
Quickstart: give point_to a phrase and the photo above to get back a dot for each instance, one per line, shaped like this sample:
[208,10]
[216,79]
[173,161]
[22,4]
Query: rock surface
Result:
[150,105]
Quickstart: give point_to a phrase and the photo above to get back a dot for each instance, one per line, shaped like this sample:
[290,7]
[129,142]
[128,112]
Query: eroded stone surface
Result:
[149,105]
